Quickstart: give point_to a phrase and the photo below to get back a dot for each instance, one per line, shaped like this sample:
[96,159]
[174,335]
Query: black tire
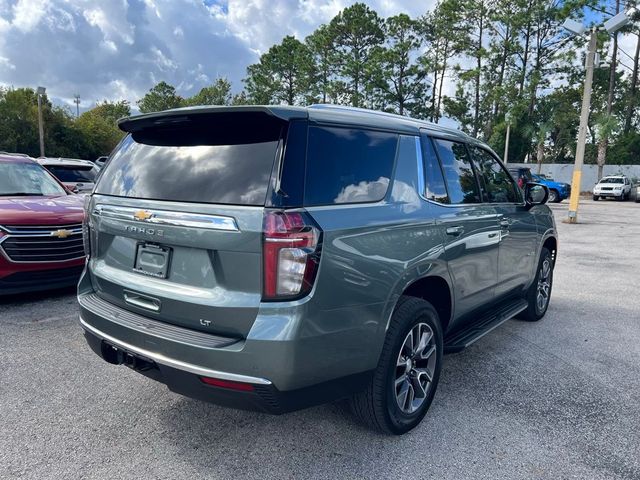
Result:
[379,405]
[596,198]
[534,312]
[554,196]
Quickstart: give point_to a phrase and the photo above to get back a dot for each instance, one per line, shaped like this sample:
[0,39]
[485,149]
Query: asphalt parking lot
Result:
[555,399]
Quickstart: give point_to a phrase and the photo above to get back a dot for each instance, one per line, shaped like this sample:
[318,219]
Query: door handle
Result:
[455,231]
[505,223]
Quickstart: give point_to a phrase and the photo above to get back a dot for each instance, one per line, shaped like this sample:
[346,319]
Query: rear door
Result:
[470,227]
[177,218]
[518,233]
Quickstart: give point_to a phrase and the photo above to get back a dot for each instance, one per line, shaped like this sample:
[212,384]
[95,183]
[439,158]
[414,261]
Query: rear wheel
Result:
[406,378]
[539,293]
[553,196]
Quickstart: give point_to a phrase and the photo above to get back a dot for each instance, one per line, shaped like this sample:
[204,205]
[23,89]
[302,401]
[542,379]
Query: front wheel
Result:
[596,198]
[405,380]
[553,196]
[539,293]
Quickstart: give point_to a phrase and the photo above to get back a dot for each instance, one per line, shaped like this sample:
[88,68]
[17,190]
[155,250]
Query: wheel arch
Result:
[551,244]
[435,290]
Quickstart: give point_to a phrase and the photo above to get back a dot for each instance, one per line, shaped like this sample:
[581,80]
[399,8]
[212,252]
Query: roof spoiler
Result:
[182,115]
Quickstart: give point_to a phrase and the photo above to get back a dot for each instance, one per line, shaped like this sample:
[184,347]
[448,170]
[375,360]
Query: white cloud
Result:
[28,13]
[120,48]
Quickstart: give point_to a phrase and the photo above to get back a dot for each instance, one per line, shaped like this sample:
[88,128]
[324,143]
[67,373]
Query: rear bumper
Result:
[258,394]
[288,360]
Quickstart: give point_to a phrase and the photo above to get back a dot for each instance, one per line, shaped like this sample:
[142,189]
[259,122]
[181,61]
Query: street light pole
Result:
[506,142]
[582,131]
[40,91]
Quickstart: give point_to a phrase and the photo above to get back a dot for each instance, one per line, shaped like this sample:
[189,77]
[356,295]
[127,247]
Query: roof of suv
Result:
[69,162]
[323,113]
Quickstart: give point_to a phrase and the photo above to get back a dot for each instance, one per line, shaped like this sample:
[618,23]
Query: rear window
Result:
[346,165]
[72,174]
[219,158]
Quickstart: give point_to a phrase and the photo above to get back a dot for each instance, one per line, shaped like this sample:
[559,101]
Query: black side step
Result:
[490,320]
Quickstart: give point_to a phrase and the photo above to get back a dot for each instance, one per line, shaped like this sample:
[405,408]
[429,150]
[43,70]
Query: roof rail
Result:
[346,108]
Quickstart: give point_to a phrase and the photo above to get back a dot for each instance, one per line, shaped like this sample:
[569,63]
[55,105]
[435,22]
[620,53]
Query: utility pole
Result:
[582,131]
[40,91]
[76,100]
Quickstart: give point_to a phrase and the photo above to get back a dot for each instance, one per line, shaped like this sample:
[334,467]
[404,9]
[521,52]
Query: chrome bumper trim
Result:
[172,362]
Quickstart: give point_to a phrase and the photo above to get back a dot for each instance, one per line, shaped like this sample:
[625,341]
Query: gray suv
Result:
[274,258]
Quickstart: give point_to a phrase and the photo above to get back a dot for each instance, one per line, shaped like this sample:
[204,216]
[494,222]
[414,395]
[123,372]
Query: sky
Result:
[118,49]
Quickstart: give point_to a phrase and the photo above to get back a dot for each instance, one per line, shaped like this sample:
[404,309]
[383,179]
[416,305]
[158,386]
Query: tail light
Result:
[291,250]
[86,230]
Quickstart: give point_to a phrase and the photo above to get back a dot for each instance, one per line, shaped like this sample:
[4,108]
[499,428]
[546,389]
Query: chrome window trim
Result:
[173,362]
[168,217]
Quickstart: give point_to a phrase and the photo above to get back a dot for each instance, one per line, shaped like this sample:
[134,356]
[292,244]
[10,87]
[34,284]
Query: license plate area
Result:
[152,260]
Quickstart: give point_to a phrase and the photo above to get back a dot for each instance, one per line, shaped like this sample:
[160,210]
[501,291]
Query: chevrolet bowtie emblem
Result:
[142,215]
[61,233]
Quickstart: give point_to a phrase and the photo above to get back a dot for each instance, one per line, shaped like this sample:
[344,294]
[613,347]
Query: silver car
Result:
[77,175]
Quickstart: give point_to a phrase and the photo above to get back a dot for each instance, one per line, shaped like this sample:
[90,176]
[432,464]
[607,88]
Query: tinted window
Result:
[497,185]
[228,174]
[435,188]
[458,172]
[348,165]
[27,179]
[72,174]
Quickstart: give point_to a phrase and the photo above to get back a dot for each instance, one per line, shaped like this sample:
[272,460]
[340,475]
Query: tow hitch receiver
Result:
[117,356]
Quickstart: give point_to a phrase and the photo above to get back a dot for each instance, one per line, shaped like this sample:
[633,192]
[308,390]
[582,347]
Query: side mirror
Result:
[535,194]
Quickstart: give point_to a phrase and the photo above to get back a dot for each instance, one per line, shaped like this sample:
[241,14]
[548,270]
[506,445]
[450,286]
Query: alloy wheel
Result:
[415,368]
[544,285]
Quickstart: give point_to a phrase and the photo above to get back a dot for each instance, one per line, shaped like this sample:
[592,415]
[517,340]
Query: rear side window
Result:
[435,188]
[72,174]
[224,159]
[346,165]
[497,185]
[458,172]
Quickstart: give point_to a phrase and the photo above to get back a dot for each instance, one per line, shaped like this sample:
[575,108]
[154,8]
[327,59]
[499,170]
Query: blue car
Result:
[557,191]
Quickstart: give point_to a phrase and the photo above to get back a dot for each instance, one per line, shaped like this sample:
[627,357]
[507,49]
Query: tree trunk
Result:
[476,114]
[604,142]
[503,66]
[435,83]
[632,89]
[444,69]
[540,155]
[525,59]
[602,153]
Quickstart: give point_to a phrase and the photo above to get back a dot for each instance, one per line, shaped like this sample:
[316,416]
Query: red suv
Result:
[41,243]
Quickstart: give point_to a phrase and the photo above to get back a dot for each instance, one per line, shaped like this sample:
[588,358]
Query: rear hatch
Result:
[177,216]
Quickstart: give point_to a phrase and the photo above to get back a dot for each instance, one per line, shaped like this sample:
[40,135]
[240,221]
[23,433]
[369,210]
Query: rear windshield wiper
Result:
[22,194]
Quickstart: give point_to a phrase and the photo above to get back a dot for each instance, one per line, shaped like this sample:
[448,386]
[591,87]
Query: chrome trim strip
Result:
[166,217]
[174,363]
